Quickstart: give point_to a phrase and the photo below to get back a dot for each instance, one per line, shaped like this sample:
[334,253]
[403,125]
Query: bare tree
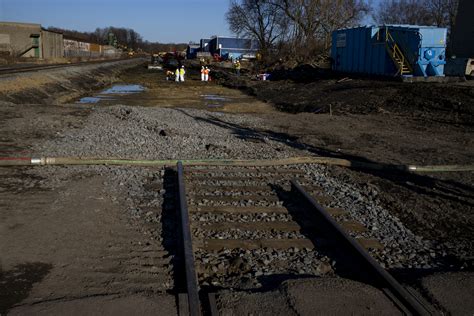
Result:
[314,20]
[125,37]
[257,19]
[443,12]
[402,12]
[300,27]
[419,12]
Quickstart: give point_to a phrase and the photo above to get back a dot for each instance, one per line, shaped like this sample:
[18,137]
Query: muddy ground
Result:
[71,239]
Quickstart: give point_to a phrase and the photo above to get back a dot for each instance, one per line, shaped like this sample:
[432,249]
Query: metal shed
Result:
[390,50]
[237,47]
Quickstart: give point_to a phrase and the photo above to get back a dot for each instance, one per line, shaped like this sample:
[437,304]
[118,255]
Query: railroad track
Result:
[250,214]
[248,227]
[32,68]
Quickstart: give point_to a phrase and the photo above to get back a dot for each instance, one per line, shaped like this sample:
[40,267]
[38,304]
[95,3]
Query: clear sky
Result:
[156,20]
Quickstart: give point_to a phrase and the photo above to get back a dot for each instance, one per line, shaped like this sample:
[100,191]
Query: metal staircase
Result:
[29,46]
[394,51]
[26,49]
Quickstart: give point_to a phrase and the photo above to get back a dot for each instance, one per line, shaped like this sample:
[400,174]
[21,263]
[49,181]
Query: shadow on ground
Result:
[446,189]
[16,284]
[171,230]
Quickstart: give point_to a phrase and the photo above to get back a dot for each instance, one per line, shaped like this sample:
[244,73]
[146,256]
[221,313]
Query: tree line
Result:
[301,28]
[121,37]
[440,13]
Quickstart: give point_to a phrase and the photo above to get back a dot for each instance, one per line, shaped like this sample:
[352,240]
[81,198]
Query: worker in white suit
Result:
[203,76]
[181,74]
[176,73]
[206,74]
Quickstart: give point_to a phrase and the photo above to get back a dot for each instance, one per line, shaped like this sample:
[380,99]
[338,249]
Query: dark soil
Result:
[295,92]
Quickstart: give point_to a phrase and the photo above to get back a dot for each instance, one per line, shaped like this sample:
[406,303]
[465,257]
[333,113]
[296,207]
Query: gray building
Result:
[29,40]
[20,39]
[52,45]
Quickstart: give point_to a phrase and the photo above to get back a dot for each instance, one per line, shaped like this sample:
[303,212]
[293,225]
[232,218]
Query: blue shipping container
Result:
[390,50]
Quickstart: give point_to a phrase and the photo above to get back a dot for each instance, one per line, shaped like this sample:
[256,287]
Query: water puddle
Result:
[124,89]
[89,100]
[214,97]
[215,101]
[113,93]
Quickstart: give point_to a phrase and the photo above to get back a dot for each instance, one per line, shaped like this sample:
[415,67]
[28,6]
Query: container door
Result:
[35,40]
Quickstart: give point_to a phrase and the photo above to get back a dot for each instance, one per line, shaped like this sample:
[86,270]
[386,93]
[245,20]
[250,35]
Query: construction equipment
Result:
[156,62]
[171,59]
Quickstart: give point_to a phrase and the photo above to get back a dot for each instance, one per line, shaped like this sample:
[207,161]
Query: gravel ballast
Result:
[151,133]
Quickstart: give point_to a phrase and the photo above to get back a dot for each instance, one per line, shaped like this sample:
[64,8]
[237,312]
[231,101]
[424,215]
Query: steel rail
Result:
[13,70]
[190,269]
[387,280]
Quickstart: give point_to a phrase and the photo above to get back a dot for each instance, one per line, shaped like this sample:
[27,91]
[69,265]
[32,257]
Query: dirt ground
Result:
[67,248]
[67,241]
[191,93]
[329,296]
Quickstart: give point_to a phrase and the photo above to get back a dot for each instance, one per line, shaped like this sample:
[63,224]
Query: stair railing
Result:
[396,54]
[26,48]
